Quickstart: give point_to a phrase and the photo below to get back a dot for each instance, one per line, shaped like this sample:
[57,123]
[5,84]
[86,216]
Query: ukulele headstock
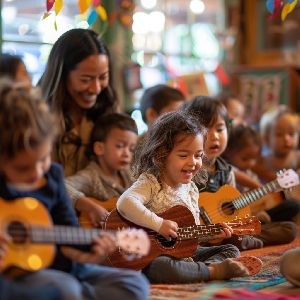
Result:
[245,226]
[133,242]
[287,178]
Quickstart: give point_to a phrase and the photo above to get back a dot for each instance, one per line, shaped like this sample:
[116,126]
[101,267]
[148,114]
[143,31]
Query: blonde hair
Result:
[25,120]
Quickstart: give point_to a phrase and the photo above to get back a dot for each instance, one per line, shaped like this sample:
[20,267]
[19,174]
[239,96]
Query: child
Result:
[165,163]
[78,86]
[112,143]
[26,136]
[289,266]
[11,290]
[235,108]
[242,151]
[213,115]
[159,99]
[280,131]
[13,67]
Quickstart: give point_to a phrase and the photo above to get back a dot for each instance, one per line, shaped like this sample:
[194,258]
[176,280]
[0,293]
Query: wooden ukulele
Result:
[109,205]
[33,236]
[228,203]
[189,236]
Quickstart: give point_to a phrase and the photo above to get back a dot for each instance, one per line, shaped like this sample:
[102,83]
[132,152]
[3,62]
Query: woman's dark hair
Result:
[68,51]
[151,153]
[9,65]
[207,110]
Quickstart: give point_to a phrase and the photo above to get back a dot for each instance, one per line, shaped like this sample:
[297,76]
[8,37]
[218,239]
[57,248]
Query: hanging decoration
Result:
[93,8]
[280,7]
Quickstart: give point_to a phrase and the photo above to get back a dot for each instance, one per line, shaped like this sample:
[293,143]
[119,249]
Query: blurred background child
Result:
[280,132]
[159,99]
[235,108]
[13,67]
[243,151]
[111,147]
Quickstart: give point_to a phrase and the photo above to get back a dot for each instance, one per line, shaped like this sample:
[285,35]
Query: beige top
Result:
[70,149]
[146,198]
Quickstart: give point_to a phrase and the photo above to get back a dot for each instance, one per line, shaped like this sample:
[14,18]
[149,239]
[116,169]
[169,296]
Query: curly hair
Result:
[25,120]
[151,153]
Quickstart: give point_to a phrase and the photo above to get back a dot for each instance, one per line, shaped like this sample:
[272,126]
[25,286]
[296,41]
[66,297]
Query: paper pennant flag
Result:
[101,12]
[58,6]
[92,17]
[49,4]
[96,2]
[46,15]
[287,8]
[83,5]
[270,6]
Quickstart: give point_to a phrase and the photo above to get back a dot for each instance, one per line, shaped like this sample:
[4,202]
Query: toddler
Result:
[113,140]
[165,163]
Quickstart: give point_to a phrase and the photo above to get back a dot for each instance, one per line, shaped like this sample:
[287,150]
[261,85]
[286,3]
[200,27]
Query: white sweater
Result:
[146,198]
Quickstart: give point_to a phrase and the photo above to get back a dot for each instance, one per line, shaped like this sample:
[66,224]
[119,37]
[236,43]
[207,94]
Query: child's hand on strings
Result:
[226,233]
[168,229]
[103,246]
[96,213]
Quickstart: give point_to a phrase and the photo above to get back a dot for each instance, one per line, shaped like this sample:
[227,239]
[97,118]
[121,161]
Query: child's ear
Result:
[98,148]
[151,115]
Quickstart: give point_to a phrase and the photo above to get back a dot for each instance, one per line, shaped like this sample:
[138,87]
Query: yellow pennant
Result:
[58,6]
[83,5]
[101,12]
[287,8]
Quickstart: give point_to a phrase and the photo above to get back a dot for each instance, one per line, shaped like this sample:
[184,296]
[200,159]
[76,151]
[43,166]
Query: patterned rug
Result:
[269,276]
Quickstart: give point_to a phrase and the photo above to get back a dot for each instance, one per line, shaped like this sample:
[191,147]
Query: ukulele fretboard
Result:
[251,196]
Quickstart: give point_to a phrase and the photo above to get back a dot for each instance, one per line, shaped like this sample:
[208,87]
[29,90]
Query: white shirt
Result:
[146,198]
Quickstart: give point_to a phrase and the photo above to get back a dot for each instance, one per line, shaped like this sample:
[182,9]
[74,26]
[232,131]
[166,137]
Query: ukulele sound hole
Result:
[165,243]
[228,208]
[17,232]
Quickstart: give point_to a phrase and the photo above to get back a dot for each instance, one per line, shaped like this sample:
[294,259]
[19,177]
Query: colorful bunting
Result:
[93,8]
[275,6]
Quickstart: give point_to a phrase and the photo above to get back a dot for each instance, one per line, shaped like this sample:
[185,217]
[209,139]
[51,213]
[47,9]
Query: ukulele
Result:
[228,203]
[109,205]
[189,236]
[32,236]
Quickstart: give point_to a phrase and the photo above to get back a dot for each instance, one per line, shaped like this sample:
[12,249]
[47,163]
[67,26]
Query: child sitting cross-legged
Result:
[113,140]
[165,163]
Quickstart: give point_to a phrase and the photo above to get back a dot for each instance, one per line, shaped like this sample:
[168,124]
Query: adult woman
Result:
[77,84]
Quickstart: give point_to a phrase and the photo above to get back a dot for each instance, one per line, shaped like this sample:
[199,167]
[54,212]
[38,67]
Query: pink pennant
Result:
[49,4]
[96,2]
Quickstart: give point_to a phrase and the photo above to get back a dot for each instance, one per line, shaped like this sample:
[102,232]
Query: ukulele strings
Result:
[244,199]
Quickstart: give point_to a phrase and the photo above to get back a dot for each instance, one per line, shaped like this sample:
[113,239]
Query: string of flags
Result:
[280,7]
[93,9]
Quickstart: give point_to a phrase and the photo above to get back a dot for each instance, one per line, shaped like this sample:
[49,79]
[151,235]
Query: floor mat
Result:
[269,276]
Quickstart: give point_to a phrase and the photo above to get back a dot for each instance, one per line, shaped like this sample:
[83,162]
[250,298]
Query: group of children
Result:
[187,149]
